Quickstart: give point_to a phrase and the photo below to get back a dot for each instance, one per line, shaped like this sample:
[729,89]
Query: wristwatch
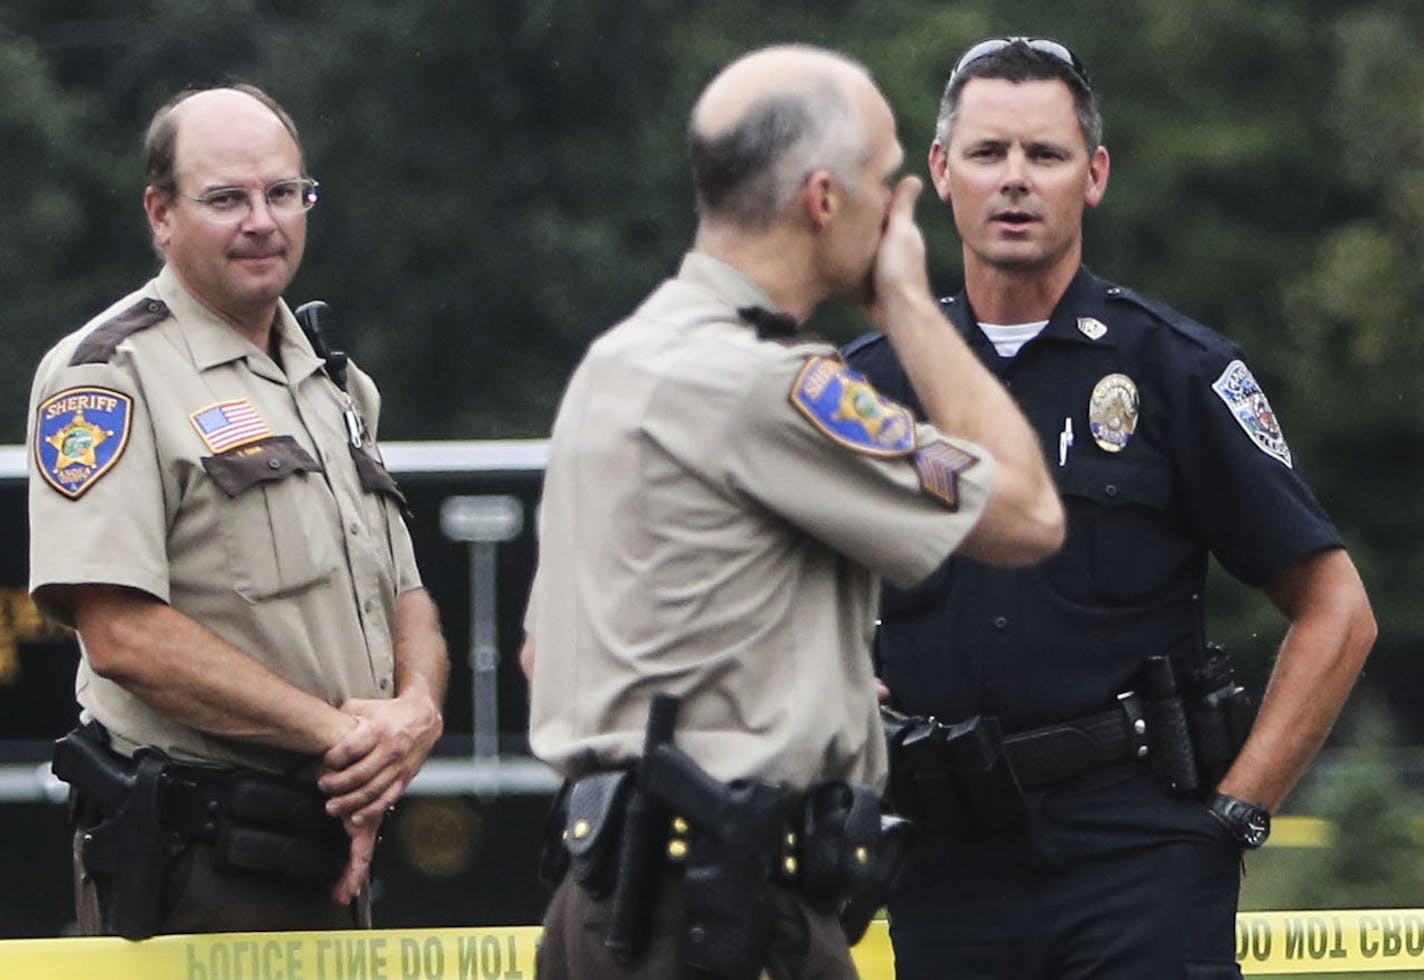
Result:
[1249,823]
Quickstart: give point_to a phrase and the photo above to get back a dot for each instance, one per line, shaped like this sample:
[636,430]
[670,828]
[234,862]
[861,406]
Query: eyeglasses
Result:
[285,198]
[1046,46]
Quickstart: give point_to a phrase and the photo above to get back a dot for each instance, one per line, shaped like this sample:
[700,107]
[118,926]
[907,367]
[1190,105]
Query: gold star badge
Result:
[76,442]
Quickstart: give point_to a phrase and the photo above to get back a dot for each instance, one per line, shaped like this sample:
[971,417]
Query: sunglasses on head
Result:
[1046,46]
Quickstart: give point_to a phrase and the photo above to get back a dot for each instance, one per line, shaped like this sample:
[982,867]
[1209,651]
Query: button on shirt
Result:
[246,539]
[699,537]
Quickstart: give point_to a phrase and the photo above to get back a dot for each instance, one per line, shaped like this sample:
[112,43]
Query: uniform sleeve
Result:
[899,507]
[96,497]
[1244,488]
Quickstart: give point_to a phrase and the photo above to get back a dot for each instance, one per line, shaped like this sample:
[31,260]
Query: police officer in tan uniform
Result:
[261,669]
[721,497]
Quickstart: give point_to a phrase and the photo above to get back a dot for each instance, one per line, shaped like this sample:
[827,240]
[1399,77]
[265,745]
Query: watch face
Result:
[1256,827]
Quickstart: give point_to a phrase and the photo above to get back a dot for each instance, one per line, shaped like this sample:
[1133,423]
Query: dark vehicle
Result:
[461,848]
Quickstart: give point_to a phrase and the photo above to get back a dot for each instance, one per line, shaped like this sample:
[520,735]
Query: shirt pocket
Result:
[1126,545]
[276,515]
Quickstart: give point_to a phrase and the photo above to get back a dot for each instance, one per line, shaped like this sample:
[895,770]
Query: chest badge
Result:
[1112,412]
[1092,328]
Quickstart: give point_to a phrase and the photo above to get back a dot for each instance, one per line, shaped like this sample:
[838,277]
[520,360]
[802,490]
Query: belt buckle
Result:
[1136,723]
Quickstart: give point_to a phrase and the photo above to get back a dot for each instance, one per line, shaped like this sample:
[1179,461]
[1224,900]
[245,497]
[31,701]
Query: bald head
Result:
[770,119]
[160,143]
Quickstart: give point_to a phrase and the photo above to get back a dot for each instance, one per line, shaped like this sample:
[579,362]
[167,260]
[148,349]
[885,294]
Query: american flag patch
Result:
[229,424]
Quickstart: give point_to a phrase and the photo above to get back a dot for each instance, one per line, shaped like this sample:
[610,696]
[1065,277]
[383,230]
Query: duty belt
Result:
[1043,756]
[969,778]
[136,814]
[616,831]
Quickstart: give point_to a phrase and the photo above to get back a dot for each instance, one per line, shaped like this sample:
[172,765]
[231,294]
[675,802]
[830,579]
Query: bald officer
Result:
[261,670]
[721,496]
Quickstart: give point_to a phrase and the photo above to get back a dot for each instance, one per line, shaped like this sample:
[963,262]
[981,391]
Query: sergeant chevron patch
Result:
[939,465]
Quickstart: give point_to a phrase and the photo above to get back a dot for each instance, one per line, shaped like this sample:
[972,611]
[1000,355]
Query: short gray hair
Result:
[749,173]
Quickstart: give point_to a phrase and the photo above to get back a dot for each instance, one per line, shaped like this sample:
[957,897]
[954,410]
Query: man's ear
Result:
[159,208]
[939,169]
[821,197]
[1098,167]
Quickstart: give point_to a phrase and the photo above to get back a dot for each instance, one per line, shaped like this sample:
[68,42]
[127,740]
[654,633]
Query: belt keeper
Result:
[1136,723]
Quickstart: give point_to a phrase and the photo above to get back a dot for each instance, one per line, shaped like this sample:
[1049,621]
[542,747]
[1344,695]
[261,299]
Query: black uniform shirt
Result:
[1202,467]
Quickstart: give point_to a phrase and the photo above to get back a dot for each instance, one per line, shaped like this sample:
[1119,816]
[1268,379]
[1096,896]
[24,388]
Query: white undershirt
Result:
[1008,338]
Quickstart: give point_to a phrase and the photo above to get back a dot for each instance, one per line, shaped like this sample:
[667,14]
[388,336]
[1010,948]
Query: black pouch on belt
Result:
[840,833]
[1221,715]
[923,784]
[1171,755]
[850,854]
[990,787]
[280,827]
[593,828]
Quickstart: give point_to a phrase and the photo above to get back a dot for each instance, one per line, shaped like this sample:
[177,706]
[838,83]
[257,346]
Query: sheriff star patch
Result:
[80,434]
[1239,390]
[844,408]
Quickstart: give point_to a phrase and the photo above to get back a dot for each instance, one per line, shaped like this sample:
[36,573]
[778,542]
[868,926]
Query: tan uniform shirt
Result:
[180,460]
[704,533]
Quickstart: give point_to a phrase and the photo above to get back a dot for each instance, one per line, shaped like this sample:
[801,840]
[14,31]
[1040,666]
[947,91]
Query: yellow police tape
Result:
[1305,942]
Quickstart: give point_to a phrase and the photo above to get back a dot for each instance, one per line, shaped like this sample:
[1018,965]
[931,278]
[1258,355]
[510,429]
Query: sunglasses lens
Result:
[1055,50]
[981,50]
[1052,49]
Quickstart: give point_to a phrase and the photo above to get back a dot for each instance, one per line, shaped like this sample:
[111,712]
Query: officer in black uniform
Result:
[1114,851]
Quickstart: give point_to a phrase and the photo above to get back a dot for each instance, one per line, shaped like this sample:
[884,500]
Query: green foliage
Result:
[1373,858]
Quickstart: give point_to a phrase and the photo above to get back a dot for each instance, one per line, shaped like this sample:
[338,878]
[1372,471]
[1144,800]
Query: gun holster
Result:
[726,881]
[128,852]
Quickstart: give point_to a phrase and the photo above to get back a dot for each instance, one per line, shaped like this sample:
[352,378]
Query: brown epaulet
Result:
[779,327]
[104,339]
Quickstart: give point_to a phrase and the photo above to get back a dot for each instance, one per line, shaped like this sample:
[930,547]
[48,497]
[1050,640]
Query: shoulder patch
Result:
[80,434]
[1247,402]
[846,409]
[103,340]
[939,465]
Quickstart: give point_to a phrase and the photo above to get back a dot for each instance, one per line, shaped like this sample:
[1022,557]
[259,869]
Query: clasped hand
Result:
[368,770]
